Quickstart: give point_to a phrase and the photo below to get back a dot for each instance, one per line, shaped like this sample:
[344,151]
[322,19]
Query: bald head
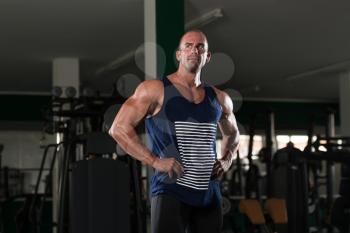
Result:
[192,52]
[197,31]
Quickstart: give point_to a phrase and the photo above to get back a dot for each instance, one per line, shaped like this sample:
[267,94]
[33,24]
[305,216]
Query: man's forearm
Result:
[229,147]
[130,142]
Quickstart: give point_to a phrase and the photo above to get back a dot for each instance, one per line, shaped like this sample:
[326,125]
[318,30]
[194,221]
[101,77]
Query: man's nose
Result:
[195,49]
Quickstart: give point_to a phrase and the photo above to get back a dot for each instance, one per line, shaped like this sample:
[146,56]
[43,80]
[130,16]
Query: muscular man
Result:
[181,116]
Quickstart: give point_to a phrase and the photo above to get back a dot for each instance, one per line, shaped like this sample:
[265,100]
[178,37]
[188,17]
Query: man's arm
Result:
[135,109]
[230,134]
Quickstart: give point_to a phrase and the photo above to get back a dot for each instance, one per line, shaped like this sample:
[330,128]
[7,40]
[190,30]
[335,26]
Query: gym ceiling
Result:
[281,49]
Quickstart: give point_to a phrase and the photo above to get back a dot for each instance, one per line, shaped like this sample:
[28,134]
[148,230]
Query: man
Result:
[181,116]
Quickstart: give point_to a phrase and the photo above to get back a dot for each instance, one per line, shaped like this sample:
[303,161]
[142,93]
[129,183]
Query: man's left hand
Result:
[218,169]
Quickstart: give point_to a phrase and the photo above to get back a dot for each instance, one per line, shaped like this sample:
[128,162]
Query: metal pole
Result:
[330,132]
[270,149]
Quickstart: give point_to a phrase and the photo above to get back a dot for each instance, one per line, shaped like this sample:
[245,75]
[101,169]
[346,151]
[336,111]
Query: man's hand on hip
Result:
[169,165]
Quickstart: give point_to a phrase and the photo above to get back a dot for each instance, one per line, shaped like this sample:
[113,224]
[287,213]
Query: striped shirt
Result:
[187,132]
[194,142]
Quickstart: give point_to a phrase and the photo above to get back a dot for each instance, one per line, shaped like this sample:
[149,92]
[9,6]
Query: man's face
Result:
[193,52]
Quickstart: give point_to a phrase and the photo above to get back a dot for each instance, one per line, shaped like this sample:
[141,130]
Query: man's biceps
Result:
[228,125]
[134,107]
[130,115]
[227,118]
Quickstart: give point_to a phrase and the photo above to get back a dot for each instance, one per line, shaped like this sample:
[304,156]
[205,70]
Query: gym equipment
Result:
[252,182]
[290,183]
[29,217]
[252,209]
[11,183]
[276,212]
[14,219]
[336,152]
[235,185]
[329,149]
[251,206]
[269,150]
[100,196]
[330,172]
[56,91]
[35,215]
[341,214]
[97,144]
[276,207]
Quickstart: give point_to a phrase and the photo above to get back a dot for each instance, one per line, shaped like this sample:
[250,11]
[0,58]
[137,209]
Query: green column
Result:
[164,25]
[169,29]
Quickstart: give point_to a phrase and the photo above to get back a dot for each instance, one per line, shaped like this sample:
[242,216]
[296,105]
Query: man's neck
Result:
[191,80]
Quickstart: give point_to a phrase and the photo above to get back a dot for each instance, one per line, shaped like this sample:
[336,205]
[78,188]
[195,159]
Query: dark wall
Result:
[288,115]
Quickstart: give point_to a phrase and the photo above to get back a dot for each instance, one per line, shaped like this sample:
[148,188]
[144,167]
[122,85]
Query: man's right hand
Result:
[169,165]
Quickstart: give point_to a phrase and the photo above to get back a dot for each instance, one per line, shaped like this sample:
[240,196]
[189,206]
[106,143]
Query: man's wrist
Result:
[225,164]
[153,160]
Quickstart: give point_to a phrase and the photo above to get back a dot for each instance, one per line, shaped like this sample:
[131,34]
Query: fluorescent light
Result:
[199,22]
[204,19]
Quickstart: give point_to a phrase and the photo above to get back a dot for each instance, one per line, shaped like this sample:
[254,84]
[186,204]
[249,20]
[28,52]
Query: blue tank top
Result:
[187,132]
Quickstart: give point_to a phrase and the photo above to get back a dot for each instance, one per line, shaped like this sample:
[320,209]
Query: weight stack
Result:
[99,197]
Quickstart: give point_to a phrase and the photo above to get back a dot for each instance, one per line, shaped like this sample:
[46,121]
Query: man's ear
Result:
[177,54]
[208,57]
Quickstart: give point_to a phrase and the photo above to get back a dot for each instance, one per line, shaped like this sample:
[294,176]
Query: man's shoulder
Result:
[149,89]
[150,86]
[219,93]
[223,98]
[152,83]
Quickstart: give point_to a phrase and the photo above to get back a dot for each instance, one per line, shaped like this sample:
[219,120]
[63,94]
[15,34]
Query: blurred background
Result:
[66,68]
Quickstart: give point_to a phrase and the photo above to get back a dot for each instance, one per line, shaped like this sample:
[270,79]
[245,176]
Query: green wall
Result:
[23,107]
[288,115]
[170,21]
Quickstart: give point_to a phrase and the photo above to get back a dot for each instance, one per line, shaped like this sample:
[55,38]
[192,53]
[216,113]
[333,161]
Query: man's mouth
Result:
[193,59]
